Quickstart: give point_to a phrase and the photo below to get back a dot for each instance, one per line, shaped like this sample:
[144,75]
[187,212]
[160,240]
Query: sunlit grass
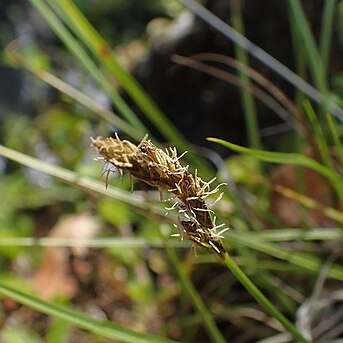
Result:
[253,234]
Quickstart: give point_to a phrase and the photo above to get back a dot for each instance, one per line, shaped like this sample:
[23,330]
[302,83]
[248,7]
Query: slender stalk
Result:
[289,158]
[210,324]
[247,99]
[262,300]
[306,261]
[332,124]
[326,30]
[313,55]
[321,141]
[105,242]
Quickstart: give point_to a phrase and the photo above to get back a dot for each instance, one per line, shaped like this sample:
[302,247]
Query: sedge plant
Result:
[163,169]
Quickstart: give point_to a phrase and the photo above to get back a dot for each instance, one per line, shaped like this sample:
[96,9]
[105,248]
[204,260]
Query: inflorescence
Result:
[162,169]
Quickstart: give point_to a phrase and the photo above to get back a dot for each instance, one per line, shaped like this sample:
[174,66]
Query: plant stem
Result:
[199,305]
[247,98]
[326,31]
[314,58]
[262,300]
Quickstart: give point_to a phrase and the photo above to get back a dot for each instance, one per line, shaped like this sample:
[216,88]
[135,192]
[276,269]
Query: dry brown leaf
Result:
[53,277]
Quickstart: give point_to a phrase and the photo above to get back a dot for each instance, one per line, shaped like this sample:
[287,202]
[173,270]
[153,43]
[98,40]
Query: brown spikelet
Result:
[162,169]
[203,236]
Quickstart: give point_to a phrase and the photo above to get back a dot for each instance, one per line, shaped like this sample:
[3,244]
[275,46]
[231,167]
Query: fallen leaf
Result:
[53,277]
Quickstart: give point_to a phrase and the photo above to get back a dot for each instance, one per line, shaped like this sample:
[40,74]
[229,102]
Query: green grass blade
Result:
[326,30]
[101,327]
[75,94]
[319,134]
[332,124]
[305,261]
[279,235]
[288,158]
[286,235]
[247,98]
[81,54]
[93,40]
[313,56]
[84,183]
[262,300]
[300,58]
[198,303]
[104,242]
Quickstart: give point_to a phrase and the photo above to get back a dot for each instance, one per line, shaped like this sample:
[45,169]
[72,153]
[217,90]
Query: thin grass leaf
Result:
[59,331]
[321,141]
[198,303]
[102,51]
[288,158]
[335,137]
[300,59]
[84,183]
[307,262]
[73,93]
[100,327]
[326,30]
[247,99]
[224,75]
[310,203]
[104,242]
[263,82]
[262,300]
[279,235]
[261,55]
[300,235]
[77,50]
[313,56]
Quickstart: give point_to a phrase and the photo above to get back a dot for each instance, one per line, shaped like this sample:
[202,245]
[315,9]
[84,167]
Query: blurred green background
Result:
[58,88]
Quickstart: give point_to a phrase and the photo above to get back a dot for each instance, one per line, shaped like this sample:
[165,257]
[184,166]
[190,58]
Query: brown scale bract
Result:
[162,169]
[203,236]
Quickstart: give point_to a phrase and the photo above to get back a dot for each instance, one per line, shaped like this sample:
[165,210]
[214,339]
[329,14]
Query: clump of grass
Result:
[162,169]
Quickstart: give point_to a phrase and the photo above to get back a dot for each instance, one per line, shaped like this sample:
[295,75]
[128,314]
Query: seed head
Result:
[162,169]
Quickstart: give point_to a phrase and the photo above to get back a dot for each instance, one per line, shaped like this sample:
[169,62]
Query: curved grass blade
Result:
[288,158]
[303,260]
[262,300]
[101,327]
[321,140]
